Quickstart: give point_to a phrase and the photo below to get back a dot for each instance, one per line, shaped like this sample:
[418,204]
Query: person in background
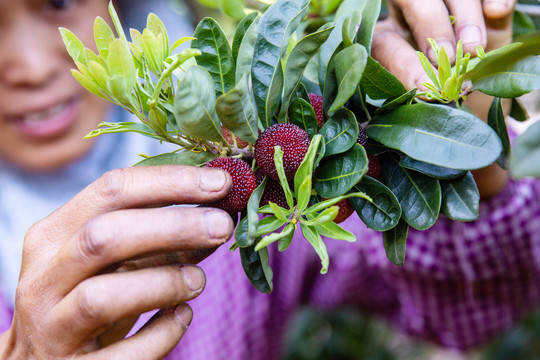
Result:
[101,247]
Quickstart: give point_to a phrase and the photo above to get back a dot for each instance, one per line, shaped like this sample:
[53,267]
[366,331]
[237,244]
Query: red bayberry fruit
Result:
[227,134]
[374,166]
[294,143]
[362,138]
[317,103]
[272,192]
[243,183]
[345,210]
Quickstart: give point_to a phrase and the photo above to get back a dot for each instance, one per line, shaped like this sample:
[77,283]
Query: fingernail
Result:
[212,181]
[496,3]
[471,35]
[184,314]
[194,277]
[420,82]
[218,224]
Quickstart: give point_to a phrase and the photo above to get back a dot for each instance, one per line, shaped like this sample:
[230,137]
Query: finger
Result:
[168,258]
[154,341]
[125,234]
[144,187]
[406,67]
[420,15]
[498,9]
[469,27]
[99,302]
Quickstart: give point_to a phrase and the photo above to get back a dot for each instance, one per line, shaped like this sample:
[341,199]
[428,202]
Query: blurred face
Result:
[44,112]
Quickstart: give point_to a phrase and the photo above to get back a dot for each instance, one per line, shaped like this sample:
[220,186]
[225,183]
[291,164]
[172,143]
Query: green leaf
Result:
[240,33]
[194,106]
[244,60]
[314,238]
[396,101]
[383,212]
[460,198]
[419,195]
[304,173]
[395,242]
[216,54]
[269,224]
[370,14]
[238,112]
[185,157]
[116,21]
[497,121]
[322,205]
[103,35]
[334,231]
[444,67]
[114,128]
[327,215]
[349,67]
[301,113]
[234,8]
[281,213]
[156,26]
[277,24]
[437,172]
[285,241]
[257,268]
[340,132]
[328,49]
[526,153]
[120,62]
[438,135]
[87,83]
[278,160]
[269,239]
[379,83]
[253,214]
[428,68]
[337,174]
[73,45]
[518,112]
[297,62]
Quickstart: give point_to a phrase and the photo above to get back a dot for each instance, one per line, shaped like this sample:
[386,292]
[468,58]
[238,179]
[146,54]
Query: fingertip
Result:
[497,9]
[184,315]
[214,180]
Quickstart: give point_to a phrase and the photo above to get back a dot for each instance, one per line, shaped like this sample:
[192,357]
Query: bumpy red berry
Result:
[374,166]
[345,210]
[317,103]
[272,192]
[243,183]
[362,138]
[294,143]
[227,134]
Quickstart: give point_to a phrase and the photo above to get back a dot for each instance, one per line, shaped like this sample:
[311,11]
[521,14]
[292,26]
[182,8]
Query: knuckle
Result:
[111,185]
[96,240]
[90,302]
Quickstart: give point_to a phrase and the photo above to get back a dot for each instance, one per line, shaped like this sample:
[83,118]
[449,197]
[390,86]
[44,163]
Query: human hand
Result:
[412,22]
[69,292]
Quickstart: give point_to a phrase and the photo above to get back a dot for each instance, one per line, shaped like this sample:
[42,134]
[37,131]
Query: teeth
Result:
[38,116]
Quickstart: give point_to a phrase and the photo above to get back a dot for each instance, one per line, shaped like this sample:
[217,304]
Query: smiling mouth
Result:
[47,123]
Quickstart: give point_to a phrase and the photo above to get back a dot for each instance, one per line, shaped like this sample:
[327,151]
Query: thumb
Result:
[498,9]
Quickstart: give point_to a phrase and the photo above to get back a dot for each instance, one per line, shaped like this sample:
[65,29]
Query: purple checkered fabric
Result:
[462,283]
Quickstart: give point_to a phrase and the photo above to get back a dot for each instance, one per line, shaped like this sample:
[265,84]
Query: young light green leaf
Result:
[327,215]
[184,157]
[73,45]
[278,160]
[269,239]
[120,63]
[116,21]
[303,176]
[334,231]
[113,128]
[281,213]
[103,35]
[322,205]
[314,238]
[253,214]
[269,224]
[234,8]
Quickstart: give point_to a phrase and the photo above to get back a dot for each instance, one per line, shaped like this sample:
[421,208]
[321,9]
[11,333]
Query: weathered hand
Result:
[70,291]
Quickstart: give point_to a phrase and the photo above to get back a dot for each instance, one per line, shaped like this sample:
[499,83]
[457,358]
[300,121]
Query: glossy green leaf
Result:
[419,195]
[238,112]
[437,172]
[383,212]
[240,33]
[340,132]
[301,113]
[194,106]
[518,112]
[460,198]
[497,121]
[216,54]
[379,83]
[370,14]
[257,268]
[297,62]
[337,174]
[438,135]
[395,243]
[349,67]
[185,157]
[314,238]
[526,153]
[244,60]
[274,30]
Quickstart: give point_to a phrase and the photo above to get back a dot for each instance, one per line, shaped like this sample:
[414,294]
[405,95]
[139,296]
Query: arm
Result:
[72,300]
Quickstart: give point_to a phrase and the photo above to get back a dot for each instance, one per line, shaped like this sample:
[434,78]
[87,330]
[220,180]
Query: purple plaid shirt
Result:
[462,283]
